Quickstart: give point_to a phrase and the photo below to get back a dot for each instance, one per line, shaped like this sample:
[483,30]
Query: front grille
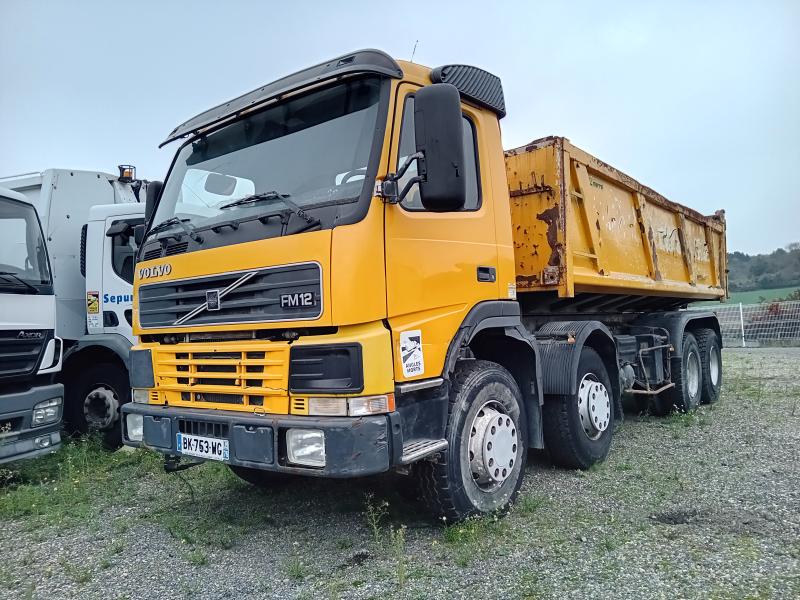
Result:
[237,374]
[258,299]
[202,428]
[20,355]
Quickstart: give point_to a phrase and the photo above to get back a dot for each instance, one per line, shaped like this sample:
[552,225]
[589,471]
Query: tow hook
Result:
[172,464]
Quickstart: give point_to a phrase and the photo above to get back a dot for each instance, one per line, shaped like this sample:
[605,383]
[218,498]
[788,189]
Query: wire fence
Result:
[765,324]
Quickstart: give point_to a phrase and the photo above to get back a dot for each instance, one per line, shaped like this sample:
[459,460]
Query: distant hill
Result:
[780,269]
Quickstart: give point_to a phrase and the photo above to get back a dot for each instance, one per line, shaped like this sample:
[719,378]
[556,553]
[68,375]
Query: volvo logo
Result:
[155,271]
[212,299]
[30,335]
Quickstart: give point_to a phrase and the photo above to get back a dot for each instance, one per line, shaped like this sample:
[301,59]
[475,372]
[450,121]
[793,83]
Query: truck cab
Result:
[329,286]
[30,353]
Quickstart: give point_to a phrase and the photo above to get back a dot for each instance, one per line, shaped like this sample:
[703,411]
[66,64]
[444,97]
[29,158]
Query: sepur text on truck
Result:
[344,274]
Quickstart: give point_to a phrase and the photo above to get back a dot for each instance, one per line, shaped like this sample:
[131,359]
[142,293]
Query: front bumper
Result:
[16,411]
[354,446]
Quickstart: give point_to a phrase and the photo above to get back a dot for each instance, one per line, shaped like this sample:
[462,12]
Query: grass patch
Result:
[296,569]
[529,505]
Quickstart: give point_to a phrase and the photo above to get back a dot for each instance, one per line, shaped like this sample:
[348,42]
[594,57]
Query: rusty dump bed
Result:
[584,229]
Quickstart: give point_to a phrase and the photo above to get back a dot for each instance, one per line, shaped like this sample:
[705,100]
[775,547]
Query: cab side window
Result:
[408,146]
[123,251]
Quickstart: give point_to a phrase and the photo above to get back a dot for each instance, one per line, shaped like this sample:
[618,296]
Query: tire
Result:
[258,477]
[685,396]
[93,399]
[711,358]
[485,426]
[578,428]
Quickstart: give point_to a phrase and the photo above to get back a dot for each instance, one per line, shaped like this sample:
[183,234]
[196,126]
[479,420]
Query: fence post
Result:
[741,321]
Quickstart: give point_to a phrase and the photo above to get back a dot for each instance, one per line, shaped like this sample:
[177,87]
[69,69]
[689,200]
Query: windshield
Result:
[23,256]
[313,151]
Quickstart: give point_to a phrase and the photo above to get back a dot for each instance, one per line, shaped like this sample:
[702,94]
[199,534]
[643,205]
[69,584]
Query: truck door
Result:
[116,299]
[438,265]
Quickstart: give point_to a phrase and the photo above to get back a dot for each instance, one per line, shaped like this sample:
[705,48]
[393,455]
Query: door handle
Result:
[487,274]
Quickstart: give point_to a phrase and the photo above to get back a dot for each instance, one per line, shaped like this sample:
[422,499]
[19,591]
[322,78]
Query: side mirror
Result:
[439,137]
[122,228]
[138,234]
[153,192]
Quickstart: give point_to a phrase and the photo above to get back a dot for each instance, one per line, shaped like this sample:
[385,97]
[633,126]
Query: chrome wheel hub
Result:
[101,407]
[492,447]
[594,406]
[713,365]
[693,373]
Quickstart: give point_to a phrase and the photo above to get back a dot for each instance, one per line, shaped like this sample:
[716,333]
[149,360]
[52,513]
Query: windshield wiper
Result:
[181,223]
[16,277]
[253,198]
[266,196]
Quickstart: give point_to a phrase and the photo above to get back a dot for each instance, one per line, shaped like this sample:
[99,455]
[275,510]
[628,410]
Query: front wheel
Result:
[93,398]
[578,428]
[482,468]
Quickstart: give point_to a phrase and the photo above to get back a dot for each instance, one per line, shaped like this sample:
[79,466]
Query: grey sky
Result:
[699,100]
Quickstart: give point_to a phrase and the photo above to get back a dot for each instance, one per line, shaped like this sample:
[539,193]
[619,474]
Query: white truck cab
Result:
[87,217]
[31,403]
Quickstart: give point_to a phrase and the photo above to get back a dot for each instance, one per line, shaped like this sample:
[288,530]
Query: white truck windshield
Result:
[23,256]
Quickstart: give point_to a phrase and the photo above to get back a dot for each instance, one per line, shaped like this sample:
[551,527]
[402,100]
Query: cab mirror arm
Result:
[387,189]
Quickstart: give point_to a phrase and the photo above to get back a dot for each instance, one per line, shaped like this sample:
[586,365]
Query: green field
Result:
[752,297]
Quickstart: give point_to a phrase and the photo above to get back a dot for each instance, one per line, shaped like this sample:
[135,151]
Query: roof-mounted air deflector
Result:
[362,61]
[474,84]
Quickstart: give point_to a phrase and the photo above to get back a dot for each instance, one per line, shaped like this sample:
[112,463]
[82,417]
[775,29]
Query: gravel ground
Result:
[691,506]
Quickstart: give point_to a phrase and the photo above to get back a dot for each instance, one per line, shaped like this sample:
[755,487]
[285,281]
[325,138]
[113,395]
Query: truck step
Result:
[417,449]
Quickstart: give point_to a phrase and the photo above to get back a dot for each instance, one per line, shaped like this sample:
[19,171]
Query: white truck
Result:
[88,219]
[31,402]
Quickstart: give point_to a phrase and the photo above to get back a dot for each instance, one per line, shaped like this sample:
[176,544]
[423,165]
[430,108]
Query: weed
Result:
[116,547]
[375,514]
[528,505]
[398,545]
[77,573]
[344,543]
[197,558]
[104,563]
[296,569]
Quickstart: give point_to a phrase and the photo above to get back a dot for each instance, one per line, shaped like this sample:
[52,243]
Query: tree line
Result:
[778,269]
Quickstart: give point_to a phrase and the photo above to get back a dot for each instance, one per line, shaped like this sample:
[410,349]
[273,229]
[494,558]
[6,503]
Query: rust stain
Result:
[653,252]
[550,218]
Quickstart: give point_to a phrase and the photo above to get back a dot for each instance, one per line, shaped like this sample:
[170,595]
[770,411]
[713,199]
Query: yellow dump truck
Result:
[344,274]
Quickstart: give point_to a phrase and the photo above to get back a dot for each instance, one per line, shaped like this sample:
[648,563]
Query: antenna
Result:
[414,50]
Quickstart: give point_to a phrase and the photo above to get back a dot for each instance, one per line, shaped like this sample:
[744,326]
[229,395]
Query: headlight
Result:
[306,447]
[46,412]
[355,407]
[141,396]
[134,425]
[371,405]
[327,407]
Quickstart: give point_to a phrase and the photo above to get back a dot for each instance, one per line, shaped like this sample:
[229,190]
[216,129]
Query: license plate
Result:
[202,447]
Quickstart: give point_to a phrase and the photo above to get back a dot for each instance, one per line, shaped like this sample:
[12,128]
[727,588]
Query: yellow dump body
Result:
[582,226]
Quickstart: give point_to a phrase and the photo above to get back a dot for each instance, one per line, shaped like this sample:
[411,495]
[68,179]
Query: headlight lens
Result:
[141,396]
[327,407]
[371,405]
[47,412]
[306,447]
[134,425]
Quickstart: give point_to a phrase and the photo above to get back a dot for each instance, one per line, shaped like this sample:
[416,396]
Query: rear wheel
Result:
[578,428]
[259,478]
[482,468]
[711,358]
[685,396]
[93,398]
